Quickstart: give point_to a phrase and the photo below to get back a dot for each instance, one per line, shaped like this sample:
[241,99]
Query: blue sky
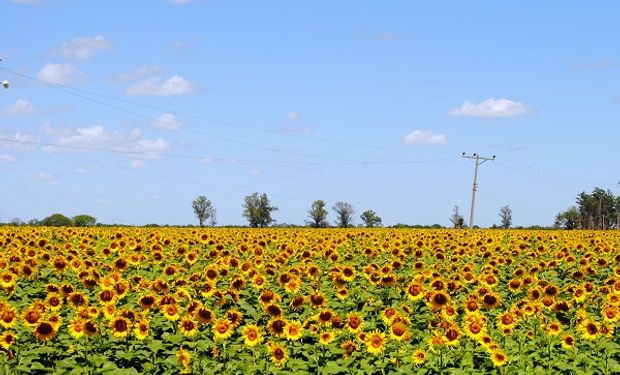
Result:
[129,110]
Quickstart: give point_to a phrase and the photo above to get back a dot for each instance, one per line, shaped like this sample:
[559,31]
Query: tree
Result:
[318,215]
[505,214]
[17,221]
[204,210]
[344,211]
[568,219]
[370,219]
[598,210]
[84,221]
[456,219]
[57,220]
[257,209]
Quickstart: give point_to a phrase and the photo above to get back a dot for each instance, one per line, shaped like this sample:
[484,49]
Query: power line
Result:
[229,160]
[75,91]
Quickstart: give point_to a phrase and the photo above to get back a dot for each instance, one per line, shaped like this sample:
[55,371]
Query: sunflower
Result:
[553,328]
[258,282]
[8,317]
[324,317]
[506,320]
[44,331]
[611,314]
[141,329]
[399,332]
[120,327]
[292,286]
[294,330]
[452,336]
[277,354]
[342,294]
[375,342]
[54,301]
[491,300]
[55,320]
[348,347]
[589,329]
[325,338]
[235,317]
[107,296]
[204,315]
[415,291]
[77,299]
[418,357]
[474,326]
[498,358]
[317,299]
[277,327]
[90,328]
[170,312]
[76,328]
[348,273]
[222,329]
[580,294]
[147,301]
[7,339]
[184,358]
[273,310]
[7,280]
[355,323]
[568,342]
[252,335]
[439,299]
[388,315]
[188,327]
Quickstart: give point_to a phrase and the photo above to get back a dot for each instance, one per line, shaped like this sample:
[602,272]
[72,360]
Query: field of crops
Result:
[357,301]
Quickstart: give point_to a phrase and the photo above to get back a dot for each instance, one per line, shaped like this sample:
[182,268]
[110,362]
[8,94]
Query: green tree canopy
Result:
[344,214]
[370,219]
[57,220]
[505,214]
[318,214]
[457,219]
[257,209]
[84,221]
[204,210]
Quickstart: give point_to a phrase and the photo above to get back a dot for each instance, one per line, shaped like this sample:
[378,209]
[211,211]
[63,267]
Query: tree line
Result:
[599,209]
[257,210]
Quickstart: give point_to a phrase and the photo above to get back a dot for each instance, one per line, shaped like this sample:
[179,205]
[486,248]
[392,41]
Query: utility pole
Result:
[477,160]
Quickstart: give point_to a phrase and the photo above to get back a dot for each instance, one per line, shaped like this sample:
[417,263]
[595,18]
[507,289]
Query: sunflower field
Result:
[326,301]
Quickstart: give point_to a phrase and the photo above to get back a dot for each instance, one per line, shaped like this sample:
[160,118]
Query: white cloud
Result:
[60,74]
[83,48]
[597,65]
[21,107]
[5,159]
[425,137]
[137,163]
[96,138]
[46,177]
[387,37]
[296,129]
[491,108]
[139,72]
[89,169]
[16,141]
[167,121]
[180,2]
[175,85]
[293,116]
[256,173]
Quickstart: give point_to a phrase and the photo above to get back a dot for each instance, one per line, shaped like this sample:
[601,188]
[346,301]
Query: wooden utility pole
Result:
[477,161]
